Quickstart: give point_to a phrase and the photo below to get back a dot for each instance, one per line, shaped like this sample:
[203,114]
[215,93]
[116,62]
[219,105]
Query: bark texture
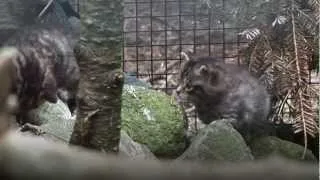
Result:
[99,56]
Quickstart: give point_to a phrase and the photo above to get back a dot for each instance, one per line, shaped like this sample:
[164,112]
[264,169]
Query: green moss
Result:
[149,117]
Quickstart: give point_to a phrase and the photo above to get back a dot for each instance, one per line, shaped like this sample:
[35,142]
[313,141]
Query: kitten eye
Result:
[194,88]
[189,88]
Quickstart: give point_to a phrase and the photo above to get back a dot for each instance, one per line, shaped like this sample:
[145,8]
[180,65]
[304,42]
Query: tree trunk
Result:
[99,56]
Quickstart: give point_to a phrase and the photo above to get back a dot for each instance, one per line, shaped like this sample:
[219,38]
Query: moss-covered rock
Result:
[267,146]
[218,141]
[151,118]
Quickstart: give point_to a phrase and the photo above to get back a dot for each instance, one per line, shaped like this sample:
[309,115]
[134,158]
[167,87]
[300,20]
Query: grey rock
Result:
[219,141]
[133,150]
[53,119]
[267,146]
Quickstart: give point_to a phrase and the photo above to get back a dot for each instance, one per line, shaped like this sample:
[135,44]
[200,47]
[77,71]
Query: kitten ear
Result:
[49,88]
[187,55]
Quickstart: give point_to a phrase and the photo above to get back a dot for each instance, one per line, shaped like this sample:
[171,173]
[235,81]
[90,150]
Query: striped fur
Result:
[45,67]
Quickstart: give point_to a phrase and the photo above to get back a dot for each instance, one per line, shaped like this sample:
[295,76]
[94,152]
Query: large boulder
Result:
[267,146]
[218,141]
[151,117]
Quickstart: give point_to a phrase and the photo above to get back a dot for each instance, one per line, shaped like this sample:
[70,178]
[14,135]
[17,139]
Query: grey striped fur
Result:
[226,91]
[46,67]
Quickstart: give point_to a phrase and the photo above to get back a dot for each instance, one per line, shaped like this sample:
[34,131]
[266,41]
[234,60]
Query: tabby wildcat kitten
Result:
[226,91]
[45,67]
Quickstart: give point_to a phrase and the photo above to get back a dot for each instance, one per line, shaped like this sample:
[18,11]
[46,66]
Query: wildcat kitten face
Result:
[45,66]
[225,91]
[199,78]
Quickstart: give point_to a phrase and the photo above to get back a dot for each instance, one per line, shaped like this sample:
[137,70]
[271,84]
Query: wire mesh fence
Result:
[155,33]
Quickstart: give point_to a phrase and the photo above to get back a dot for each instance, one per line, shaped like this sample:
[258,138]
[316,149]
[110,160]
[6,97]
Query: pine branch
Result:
[287,49]
[305,119]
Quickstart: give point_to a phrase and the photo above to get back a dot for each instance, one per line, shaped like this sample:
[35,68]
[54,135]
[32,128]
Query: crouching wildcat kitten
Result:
[226,91]
[45,67]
